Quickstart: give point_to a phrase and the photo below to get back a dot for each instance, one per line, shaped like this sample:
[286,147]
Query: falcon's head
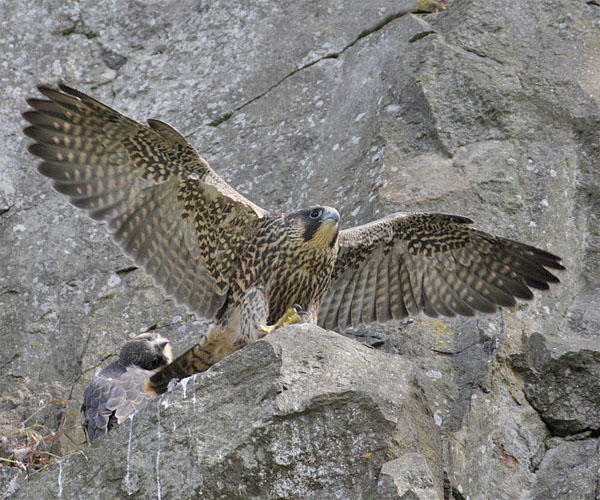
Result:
[148,351]
[317,226]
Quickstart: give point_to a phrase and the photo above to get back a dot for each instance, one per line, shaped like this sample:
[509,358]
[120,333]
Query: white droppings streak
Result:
[194,392]
[184,383]
[128,462]
[60,480]
[158,491]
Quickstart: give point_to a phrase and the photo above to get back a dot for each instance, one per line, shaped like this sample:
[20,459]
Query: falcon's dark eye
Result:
[156,362]
[315,213]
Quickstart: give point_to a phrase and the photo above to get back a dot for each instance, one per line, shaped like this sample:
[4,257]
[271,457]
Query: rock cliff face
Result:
[488,109]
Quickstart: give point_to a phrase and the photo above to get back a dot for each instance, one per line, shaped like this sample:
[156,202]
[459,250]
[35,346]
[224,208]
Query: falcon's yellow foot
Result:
[289,317]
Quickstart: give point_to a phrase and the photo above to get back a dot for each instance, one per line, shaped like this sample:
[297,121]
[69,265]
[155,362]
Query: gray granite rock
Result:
[410,476]
[569,470]
[487,109]
[303,414]
[562,382]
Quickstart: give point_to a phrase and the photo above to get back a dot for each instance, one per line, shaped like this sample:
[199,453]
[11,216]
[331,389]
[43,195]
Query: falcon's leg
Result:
[254,312]
[222,340]
[240,326]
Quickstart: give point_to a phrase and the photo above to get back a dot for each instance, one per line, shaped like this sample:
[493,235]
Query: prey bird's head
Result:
[148,351]
[316,226]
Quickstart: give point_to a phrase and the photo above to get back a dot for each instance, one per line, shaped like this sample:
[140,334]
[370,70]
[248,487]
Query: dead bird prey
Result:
[119,390]
[230,261]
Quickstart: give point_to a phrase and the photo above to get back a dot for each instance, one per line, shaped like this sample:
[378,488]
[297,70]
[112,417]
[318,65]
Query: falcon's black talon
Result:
[301,312]
[305,317]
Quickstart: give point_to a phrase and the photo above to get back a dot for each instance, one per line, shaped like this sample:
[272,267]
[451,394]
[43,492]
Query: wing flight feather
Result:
[434,263]
[161,202]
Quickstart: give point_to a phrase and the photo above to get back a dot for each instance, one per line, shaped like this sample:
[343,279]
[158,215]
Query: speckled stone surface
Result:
[488,109]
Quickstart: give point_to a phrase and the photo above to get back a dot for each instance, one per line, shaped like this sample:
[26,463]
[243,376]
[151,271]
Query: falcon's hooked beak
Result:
[330,216]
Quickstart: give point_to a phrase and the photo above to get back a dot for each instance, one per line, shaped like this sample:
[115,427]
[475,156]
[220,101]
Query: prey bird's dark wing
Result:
[161,202]
[114,395]
[406,263]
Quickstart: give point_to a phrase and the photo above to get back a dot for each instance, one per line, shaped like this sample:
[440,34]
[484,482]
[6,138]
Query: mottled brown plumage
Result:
[230,261]
[119,390]
[407,263]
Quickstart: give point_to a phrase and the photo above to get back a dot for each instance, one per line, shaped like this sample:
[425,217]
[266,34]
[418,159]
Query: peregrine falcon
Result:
[119,390]
[234,263]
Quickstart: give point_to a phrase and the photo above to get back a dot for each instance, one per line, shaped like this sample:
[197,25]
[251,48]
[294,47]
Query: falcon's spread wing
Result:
[161,201]
[406,263]
[114,395]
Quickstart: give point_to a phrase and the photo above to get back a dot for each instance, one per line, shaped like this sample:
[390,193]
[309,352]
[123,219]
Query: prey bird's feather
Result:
[120,389]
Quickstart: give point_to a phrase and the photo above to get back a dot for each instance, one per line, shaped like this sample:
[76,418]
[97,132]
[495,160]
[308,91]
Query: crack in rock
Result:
[421,35]
[126,270]
[334,55]
[79,28]
[478,53]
